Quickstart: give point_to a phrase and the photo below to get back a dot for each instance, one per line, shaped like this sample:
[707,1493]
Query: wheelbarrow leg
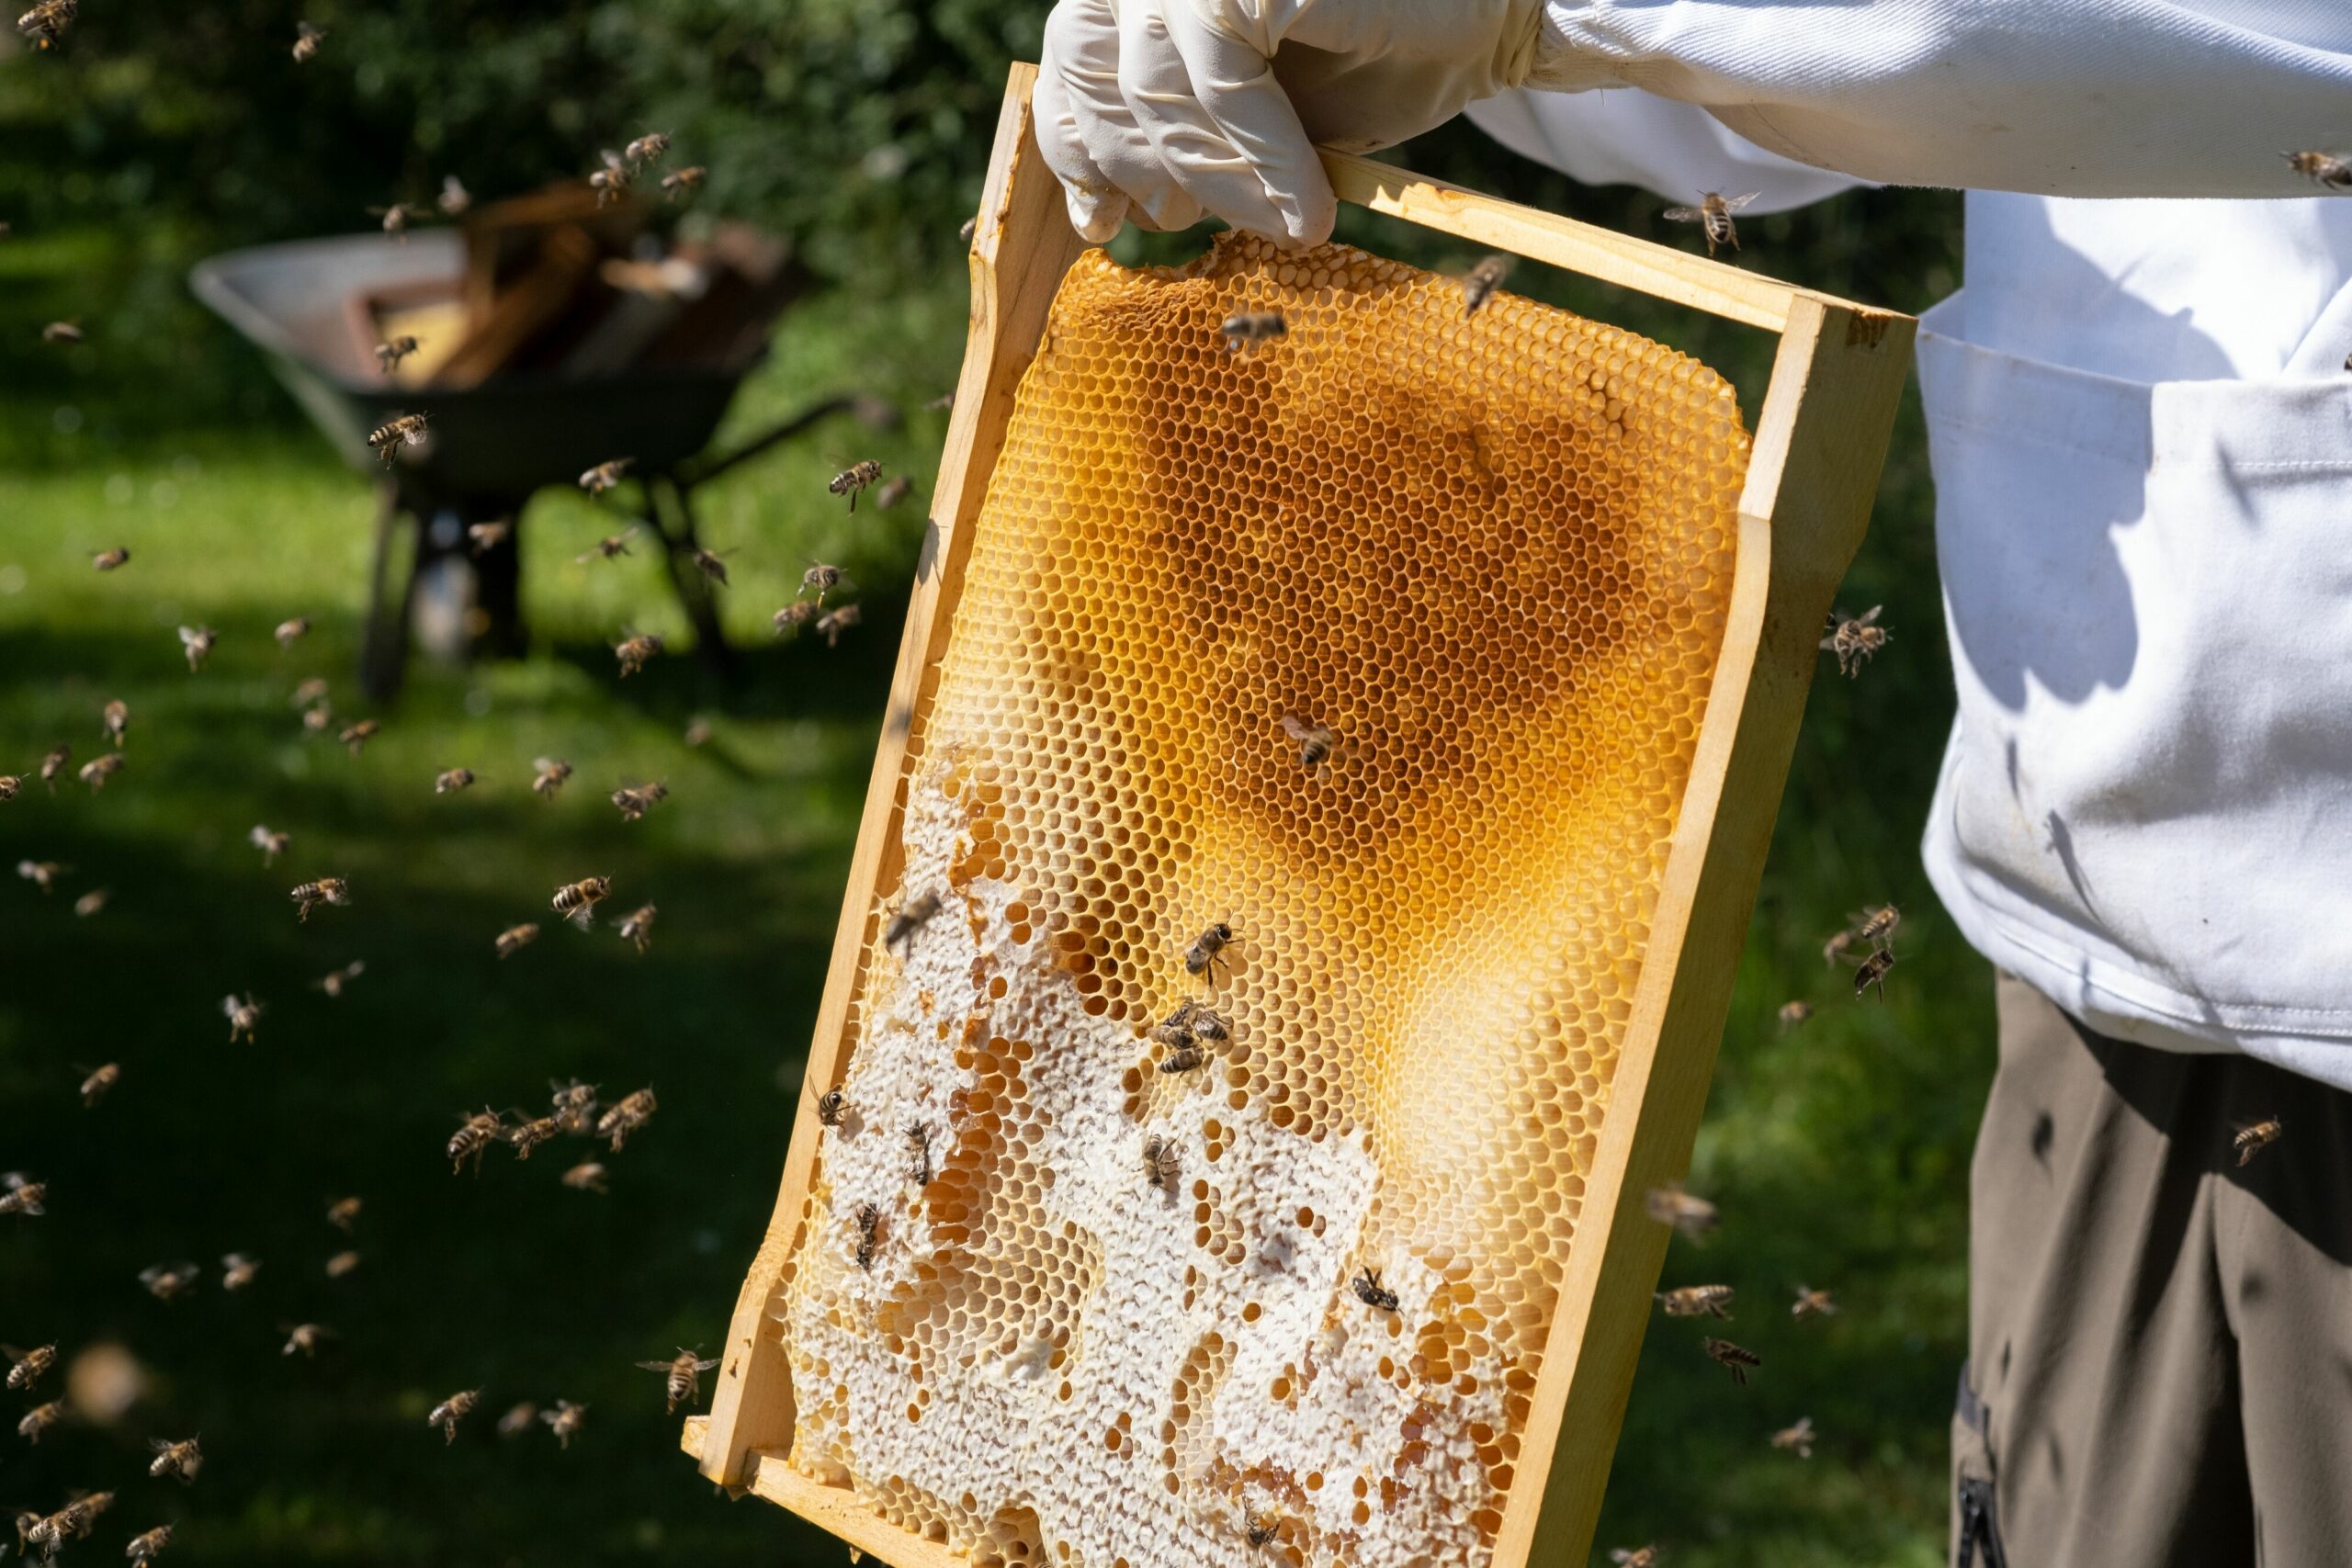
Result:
[383,650]
[695,590]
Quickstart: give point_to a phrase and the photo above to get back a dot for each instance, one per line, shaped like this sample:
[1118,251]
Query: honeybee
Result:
[1481,281]
[869,1233]
[585,1176]
[453,780]
[392,350]
[76,1517]
[633,653]
[145,1548]
[1853,638]
[95,1086]
[1184,1058]
[1732,1358]
[313,690]
[1794,1013]
[832,1106]
[2326,170]
[631,1114]
[1797,1438]
[98,769]
[894,490]
[1635,1557]
[1873,973]
[1259,1528]
[395,220]
[481,536]
[682,1378]
[1210,1025]
[2255,1136]
[638,928]
[41,873]
[795,615]
[1247,330]
[855,478]
[566,1420]
[911,917]
[168,1283]
[518,1420]
[47,21]
[472,1139]
[712,564]
[356,735]
[343,1265]
[9,785]
[1670,1205]
[698,733]
[611,182]
[647,149]
[55,764]
[1836,947]
[409,430]
[577,901]
[1876,926]
[306,1337]
[108,560]
[1161,1166]
[344,1212]
[63,333]
[242,1016]
[1206,954]
[1812,1303]
[39,1419]
[452,1410]
[597,481]
[21,1194]
[837,620]
[575,1107]
[317,720]
[1713,216]
[335,980]
[197,643]
[525,1136]
[93,901]
[453,199]
[684,183]
[550,775]
[307,39]
[1697,1301]
[1372,1292]
[289,632]
[114,721]
[1314,740]
[821,579]
[29,1366]
[325,890]
[635,801]
[919,1141]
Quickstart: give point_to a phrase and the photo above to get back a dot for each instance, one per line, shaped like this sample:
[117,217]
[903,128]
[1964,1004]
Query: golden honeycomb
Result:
[1492,556]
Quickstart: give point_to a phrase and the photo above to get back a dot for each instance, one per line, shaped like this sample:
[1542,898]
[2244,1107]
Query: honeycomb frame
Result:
[1796,517]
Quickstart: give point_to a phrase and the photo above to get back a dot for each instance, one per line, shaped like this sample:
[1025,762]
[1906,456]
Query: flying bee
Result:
[649,148]
[95,1087]
[577,901]
[638,928]
[452,1410]
[518,1420]
[392,350]
[114,721]
[39,1419]
[343,1265]
[1670,1205]
[325,890]
[1697,1301]
[453,780]
[335,980]
[289,632]
[1873,973]
[575,1107]
[2326,170]
[1876,926]
[9,785]
[395,220]
[1794,1013]
[550,774]
[1258,1529]
[1713,216]
[1635,1557]
[21,1194]
[27,1366]
[41,873]
[1314,740]
[837,620]
[344,1212]
[242,1016]
[76,1517]
[90,903]
[1732,1358]
[912,915]
[147,1547]
[1812,1303]
[712,564]
[631,1114]
[455,199]
[1480,282]
[472,1139]
[197,643]
[2255,1136]
[611,182]
[238,1271]
[685,182]
[1836,947]
[406,431]
[46,23]
[633,653]
[919,1142]
[1372,1292]
[1246,331]
[869,1233]
[481,536]
[1797,1438]
[525,1136]
[608,547]
[98,769]
[1854,639]
[597,481]
[635,801]
[108,560]
[356,735]
[821,579]
[313,690]
[306,1337]
[1206,954]
[832,1106]
[567,1418]
[585,1176]
[681,1375]
[317,720]
[63,333]
[514,939]
[55,764]
[1160,1166]
[795,615]
[853,480]
[698,733]
[307,39]
[168,1283]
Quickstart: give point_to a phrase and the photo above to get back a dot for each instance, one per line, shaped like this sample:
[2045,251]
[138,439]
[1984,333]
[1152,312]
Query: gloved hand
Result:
[1176,106]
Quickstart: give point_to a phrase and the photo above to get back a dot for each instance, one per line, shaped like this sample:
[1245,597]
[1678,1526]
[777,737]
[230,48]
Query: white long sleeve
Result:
[2063,97]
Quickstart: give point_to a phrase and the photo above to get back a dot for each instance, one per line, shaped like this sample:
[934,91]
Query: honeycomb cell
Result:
[1385,644]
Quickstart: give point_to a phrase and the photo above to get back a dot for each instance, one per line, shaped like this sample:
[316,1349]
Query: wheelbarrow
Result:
[492,445]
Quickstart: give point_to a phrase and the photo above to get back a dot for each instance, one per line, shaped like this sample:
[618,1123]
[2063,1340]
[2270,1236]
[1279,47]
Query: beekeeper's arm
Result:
[1177,106]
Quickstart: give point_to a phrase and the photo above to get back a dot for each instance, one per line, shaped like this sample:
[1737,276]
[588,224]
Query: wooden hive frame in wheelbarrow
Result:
[1803,503]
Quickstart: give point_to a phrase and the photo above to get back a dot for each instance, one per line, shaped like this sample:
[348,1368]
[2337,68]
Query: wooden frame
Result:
[1813,472]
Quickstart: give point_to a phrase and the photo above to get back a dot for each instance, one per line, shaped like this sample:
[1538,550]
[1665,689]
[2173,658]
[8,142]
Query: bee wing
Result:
[1733,204]
[1870,615]
[654,1365]
[1680,215]
[706,1366]
[1295,727]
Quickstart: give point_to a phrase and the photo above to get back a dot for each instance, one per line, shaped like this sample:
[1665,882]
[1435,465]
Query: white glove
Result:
[1177,106]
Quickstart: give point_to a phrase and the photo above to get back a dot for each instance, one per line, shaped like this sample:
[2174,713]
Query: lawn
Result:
[1837,1150]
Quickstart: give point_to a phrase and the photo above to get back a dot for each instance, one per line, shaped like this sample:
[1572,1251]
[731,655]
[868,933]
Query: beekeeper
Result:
[2141,423]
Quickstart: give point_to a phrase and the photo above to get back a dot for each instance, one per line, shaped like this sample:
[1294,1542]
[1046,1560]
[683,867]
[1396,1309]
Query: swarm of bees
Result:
[1713,216]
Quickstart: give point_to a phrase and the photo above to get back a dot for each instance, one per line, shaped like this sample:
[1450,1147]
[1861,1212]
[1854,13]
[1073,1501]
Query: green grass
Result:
[1838,1151]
